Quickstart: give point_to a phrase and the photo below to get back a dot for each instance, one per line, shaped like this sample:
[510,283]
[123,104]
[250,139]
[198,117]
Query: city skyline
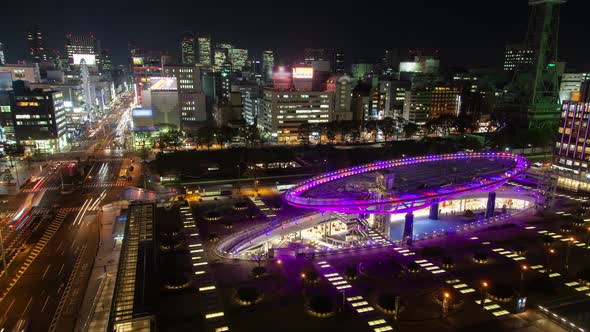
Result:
[462,36]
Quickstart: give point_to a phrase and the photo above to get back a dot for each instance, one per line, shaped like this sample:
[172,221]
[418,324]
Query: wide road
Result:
[46,284]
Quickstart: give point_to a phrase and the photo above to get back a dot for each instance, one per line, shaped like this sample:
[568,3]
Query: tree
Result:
[410,129]
[371,127]
[330,129]
[304,131]
[251,134]
[205,136]
[227,133]
[466,122]
[387,126]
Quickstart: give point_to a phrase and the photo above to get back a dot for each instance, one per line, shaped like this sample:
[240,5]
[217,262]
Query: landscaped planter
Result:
[320,306]
[480,258]
[501,292]
[212,216]
[247,296]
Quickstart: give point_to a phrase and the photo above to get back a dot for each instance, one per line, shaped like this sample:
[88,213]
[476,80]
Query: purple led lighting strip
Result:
[407,201]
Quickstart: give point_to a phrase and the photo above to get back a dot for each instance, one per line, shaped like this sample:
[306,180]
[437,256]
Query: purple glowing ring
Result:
[330,191]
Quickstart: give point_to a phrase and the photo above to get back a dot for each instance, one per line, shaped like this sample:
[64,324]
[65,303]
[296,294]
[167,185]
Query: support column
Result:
[491,204]
[408,228]
[383,224]
[434,212]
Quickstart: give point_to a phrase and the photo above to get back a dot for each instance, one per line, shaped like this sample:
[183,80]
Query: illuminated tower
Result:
[187,48]
[268,61]
[534,90]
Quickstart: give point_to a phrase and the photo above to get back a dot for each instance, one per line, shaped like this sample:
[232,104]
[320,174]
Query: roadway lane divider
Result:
[66,293]
[39,246]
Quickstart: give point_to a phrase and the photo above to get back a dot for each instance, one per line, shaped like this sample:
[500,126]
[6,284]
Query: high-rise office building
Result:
[39,118]
[190,95]
[268,62]
[288,110]
[2,55]
[85,47]
[220,56]
[187,48]
[226,76]
[313,54]
[429,102]
[341,85]
[517,55]
[105,59]
[571,156]
[571,86]
[238,58]
[337,61]
[360,69]
[205,51]
[37,52]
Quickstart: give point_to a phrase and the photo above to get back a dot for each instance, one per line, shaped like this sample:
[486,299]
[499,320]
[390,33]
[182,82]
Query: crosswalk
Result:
[36,250]
[40,211]
[106,184]
[353,297]
[88,185]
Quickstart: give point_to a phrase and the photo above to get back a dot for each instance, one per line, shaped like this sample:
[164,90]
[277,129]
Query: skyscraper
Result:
[238,58]
[313,54]
[187,47]
[107,62]
[205,51]
[219,58]
[337,61]
[268,62]
[2,56]
[85,47]
[36,44]
[516,55]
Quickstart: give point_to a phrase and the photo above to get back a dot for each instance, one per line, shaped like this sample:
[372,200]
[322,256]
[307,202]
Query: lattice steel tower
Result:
[536,85]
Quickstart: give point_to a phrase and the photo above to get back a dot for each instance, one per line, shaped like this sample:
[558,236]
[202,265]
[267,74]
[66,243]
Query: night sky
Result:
[471,33]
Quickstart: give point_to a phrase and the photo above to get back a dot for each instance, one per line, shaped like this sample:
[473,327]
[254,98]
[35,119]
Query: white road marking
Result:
[46,300]
[60,269]
[27,307]
[8,309]
[46,269]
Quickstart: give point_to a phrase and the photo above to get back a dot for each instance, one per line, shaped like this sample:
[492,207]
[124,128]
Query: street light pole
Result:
[567,253]
[3,253]
[484,286]
[549,253]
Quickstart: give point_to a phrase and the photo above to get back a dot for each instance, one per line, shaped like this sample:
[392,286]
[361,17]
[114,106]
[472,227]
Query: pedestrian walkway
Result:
[95,308]
[352,297]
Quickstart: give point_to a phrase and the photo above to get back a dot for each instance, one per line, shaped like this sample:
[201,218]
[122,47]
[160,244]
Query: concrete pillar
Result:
[384,224]
[408,228]
[434,212]
[491,204]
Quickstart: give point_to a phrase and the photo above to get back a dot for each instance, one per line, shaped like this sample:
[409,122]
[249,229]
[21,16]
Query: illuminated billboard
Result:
[303,72]
[137,61]
[90,59]
[411,67]
[141,113]
[163,84]
[281,74]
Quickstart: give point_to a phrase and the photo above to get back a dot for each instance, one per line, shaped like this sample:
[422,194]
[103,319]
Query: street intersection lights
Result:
[484,294]
[567,253]
[445,304]
[550,252]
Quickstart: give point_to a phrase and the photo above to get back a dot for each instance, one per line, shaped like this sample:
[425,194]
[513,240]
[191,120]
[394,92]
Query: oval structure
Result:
[407,184]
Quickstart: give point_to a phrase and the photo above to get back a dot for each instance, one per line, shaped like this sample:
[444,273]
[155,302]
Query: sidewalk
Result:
[95,309]
[24,172]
